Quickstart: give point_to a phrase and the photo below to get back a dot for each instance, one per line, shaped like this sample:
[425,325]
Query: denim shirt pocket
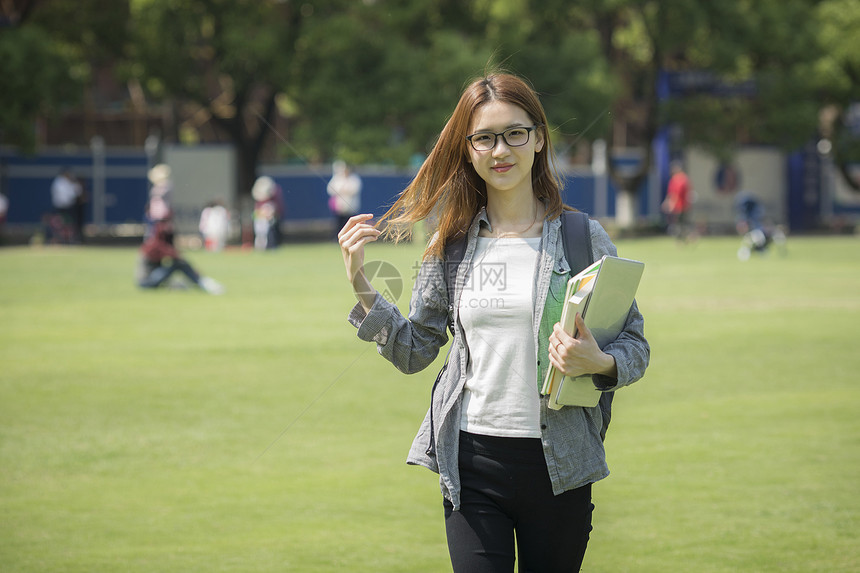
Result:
[558,283]
[551,314]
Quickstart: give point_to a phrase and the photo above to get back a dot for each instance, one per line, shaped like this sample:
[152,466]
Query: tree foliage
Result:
[227,58]
[377,84]
[374,80]
[836,79]
[37,82]
[48,51]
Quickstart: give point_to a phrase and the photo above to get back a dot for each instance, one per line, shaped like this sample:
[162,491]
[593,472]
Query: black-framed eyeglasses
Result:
[514,137]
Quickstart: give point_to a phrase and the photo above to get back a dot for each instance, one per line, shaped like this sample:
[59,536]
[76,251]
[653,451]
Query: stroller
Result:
[757,235]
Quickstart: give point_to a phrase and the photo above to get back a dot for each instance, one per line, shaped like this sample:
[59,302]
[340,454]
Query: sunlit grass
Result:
[176,431]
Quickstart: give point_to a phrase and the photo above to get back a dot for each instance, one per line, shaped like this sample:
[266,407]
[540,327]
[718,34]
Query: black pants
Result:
[507,499]
[157,275]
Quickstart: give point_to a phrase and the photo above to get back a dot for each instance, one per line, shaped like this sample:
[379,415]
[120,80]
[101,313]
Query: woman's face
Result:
[504,168]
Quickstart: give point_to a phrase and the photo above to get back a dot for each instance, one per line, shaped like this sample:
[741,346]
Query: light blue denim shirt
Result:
[571,439]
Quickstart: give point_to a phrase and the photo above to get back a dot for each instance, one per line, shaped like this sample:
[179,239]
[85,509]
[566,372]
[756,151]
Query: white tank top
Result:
[497,311]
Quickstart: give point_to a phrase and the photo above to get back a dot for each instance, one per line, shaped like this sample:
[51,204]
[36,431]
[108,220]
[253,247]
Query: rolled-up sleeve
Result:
[410,344]
[630,349]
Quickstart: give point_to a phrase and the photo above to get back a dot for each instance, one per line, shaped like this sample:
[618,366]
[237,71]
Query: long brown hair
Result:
[447,186]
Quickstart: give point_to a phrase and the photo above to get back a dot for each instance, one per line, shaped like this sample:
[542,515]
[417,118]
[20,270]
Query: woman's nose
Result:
[501,148]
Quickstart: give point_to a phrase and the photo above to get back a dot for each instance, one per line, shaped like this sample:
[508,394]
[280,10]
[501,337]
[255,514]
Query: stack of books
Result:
[603,294]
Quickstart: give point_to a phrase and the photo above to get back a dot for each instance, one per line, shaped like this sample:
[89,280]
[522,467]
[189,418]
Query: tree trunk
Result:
[246,169]
[246,175]
[248,145]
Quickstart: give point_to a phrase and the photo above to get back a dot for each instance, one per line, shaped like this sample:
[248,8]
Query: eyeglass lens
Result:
[514,137]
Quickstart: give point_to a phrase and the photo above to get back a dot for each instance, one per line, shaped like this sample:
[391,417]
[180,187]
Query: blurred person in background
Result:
[215,225]
[80,210]
[66,192]
[268,211]
[757,234]
[344,190]
[160,259]
[678,203]
[158,206]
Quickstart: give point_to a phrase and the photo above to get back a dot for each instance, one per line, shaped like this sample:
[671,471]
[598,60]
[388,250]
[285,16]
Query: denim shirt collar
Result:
[549,236]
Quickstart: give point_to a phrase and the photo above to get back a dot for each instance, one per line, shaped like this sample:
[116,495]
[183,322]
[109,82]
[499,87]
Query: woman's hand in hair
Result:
[352,238]
[580,355]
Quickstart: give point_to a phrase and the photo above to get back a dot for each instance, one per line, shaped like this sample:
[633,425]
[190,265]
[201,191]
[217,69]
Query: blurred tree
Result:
[48,51]
[229,59]
[540,41]
[743,69]
[13,12]
[760,91]
[374,80]
[94,31]
[379,78]
[37,83]
[836,79]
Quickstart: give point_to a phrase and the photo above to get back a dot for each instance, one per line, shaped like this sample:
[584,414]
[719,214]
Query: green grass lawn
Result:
[176,431]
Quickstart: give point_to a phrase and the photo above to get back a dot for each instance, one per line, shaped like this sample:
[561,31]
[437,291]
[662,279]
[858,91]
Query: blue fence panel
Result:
[307,199]
[27,181]
[27,184]
[29,198]
[304,195]
[125,199]
[380,191]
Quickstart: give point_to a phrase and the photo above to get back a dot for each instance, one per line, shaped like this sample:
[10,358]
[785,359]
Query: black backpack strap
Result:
[576,238]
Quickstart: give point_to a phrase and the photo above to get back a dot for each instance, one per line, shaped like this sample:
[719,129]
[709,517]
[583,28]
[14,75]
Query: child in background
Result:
[215,226]
[267,213]
[159,259]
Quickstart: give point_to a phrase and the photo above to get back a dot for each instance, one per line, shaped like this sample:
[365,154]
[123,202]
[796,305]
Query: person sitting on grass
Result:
[159,259]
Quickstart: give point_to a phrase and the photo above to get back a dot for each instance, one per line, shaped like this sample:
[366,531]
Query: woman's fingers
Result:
[355,230]
[356,233]
[580,355]
[564,350]
[355,239]
[562,336]
[352,222]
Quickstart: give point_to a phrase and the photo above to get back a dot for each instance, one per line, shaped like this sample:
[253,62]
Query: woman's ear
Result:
[539,140]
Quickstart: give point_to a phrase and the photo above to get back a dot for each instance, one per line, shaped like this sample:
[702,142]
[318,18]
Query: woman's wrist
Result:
[607,366]
[364,291]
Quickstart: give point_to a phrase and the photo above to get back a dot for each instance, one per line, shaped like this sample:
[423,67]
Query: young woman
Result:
[515,475]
